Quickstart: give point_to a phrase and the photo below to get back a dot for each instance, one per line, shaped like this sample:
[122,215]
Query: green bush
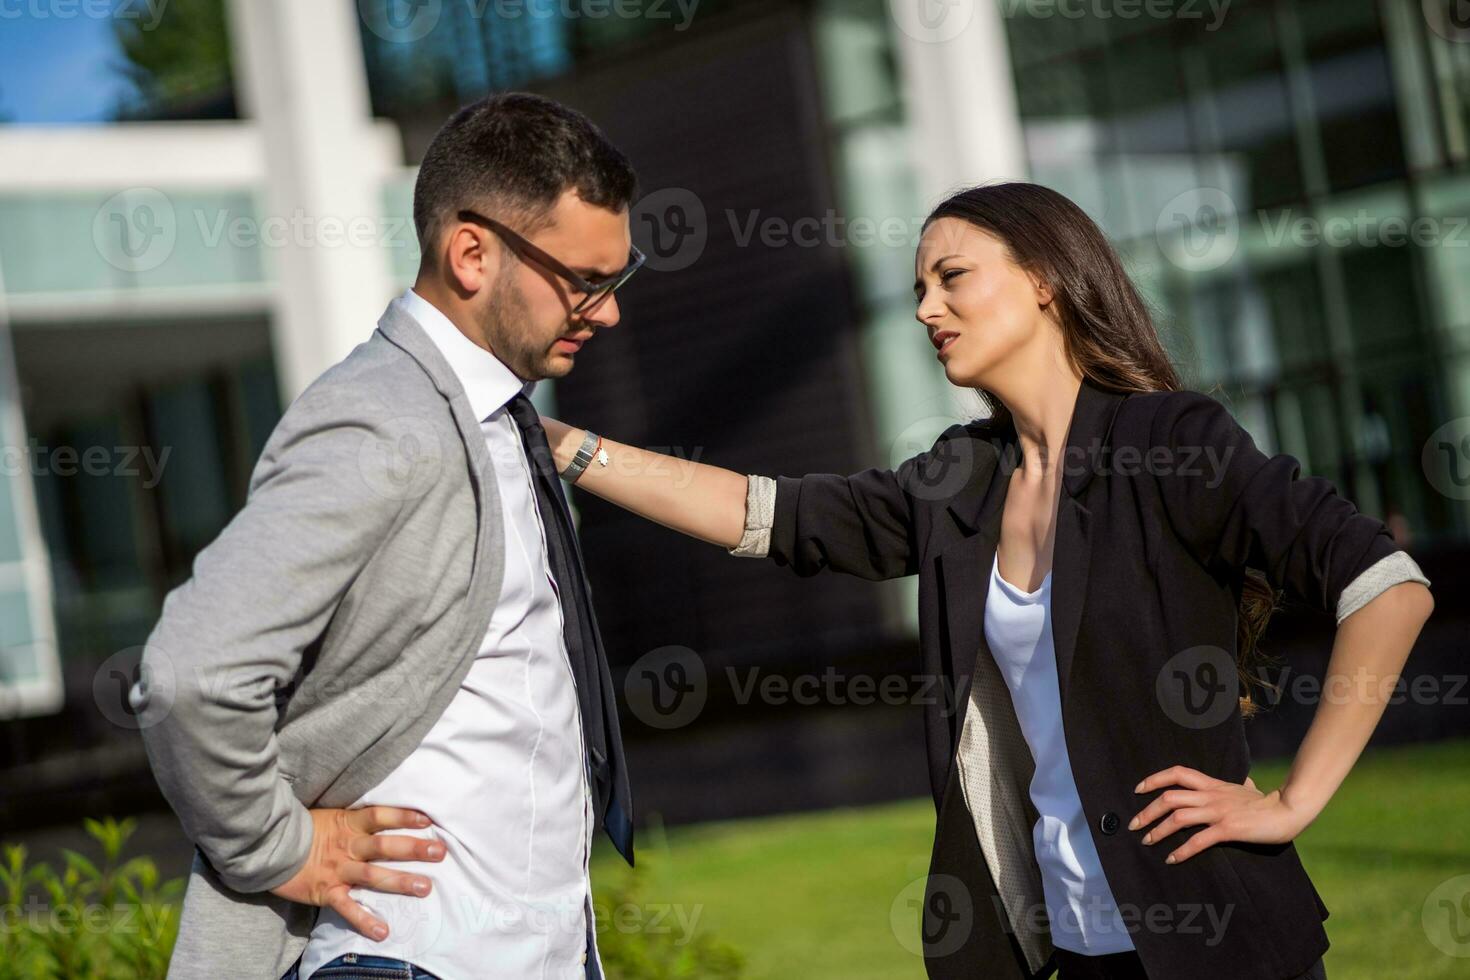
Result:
[116,921]
[642,940]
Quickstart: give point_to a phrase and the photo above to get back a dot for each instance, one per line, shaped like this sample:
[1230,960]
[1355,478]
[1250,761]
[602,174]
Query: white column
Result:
[959,94]
[30,660]
[300,75]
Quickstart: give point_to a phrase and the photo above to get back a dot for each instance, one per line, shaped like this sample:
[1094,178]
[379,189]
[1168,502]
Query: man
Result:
[395,632]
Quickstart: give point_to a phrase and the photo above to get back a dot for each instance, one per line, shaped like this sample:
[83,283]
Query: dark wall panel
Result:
[745,357]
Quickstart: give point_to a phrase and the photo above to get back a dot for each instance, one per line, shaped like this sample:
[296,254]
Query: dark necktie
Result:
[613,798]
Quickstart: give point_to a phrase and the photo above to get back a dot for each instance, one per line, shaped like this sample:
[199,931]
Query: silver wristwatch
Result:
[586,453]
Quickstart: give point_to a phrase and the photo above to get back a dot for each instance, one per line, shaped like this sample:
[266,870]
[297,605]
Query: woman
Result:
[1082,556]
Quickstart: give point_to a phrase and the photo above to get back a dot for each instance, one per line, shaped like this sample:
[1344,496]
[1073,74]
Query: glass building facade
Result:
[142,397]
[1253,171]
[1289,183]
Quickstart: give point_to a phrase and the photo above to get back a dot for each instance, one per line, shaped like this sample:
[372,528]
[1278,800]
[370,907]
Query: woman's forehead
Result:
[951,236]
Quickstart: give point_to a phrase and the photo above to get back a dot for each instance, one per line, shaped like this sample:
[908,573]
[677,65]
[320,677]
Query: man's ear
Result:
[468,264]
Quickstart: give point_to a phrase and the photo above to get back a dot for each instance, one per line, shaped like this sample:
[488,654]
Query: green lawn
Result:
[814,895]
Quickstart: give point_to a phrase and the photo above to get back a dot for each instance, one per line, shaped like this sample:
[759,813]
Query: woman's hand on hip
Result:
[1228,811]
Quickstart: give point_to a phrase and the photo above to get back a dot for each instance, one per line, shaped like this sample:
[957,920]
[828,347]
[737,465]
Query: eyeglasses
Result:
[594,292]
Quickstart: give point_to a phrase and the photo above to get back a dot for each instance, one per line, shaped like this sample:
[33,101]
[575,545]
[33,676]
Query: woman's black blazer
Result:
[1165,501]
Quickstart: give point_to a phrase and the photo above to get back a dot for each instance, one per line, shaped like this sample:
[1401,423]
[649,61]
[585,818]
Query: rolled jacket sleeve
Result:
[760,513]
[1388,571]
[861,524]
[1234,507]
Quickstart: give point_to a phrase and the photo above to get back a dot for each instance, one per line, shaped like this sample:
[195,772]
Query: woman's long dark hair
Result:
[1108,333]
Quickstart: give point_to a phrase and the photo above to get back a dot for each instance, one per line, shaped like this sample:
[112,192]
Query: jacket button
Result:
[1108,824]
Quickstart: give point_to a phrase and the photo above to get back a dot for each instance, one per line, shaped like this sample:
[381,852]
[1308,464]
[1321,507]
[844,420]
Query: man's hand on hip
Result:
[343,845]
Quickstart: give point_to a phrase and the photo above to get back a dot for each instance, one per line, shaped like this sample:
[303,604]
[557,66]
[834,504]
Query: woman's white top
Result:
[1084,917]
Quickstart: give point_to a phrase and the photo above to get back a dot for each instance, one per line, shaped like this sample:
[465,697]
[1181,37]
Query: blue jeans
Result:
[363,966]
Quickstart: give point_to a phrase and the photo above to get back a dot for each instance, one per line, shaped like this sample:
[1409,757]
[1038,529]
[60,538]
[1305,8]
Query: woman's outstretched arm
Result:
[702,501]
[862,524]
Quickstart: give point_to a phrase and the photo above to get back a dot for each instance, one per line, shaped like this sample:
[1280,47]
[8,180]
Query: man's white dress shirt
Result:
[502,774]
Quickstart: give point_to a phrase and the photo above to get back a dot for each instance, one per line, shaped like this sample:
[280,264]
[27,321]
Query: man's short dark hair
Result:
[512,156]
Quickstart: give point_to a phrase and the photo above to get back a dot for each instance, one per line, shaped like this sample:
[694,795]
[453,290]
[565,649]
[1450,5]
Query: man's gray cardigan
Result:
[363,568]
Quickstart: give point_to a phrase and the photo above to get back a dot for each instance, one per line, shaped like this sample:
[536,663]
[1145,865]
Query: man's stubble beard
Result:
[507,327]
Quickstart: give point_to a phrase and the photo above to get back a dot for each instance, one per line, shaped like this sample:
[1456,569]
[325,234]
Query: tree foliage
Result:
[177,59]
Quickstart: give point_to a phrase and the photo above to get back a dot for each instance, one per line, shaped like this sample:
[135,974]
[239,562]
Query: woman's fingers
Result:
[1166,801]
[1176,776]
[1208,837]
[1228,811]
[1178,819]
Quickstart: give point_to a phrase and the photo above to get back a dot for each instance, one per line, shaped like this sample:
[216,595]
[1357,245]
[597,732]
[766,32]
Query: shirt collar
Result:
[487,382]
